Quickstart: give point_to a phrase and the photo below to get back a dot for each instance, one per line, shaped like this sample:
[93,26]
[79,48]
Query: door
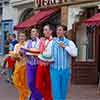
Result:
[98,54]
[84,66]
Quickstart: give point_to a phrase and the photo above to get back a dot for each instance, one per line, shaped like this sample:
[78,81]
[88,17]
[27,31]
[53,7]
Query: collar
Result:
[14,40]
[22,43]
[58,40]
[35,39]
[61,39]
[50,38]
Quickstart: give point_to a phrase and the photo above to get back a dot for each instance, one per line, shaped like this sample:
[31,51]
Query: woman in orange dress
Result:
[19,76]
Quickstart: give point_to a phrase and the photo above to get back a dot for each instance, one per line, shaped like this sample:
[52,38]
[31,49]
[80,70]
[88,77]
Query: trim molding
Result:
[69,3]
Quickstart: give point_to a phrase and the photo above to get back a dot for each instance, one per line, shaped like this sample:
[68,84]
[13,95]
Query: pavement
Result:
[7,91]
[84,92]
[76,92]
[1,60]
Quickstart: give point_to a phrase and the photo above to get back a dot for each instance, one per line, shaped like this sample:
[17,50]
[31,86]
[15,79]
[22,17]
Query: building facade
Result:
[14,12]
[85,65]
[16,9]
[1,12]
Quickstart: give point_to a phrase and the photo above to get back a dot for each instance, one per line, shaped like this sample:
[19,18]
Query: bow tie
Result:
[47,38]
[34,39]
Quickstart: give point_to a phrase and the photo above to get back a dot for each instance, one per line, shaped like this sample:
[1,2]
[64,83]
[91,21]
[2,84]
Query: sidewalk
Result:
[1,61]
[7,91]
[76,92]
[83,92]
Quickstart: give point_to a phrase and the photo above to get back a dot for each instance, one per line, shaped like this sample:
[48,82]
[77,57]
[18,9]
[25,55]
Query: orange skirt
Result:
[20,82]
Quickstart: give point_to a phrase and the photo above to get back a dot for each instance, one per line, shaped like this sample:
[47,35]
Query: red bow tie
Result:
[47,38]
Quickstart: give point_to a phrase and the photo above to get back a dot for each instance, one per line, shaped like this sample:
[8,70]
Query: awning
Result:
[94,20]
[36,19]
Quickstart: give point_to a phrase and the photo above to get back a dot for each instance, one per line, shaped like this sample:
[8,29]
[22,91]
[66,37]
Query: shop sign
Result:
[43,3]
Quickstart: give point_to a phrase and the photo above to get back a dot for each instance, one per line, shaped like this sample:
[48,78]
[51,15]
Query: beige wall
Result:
[74,10]
[18,2]
[64,15]
[14,12]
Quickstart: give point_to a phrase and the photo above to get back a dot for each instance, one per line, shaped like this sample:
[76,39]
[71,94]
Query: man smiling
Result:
[60,71]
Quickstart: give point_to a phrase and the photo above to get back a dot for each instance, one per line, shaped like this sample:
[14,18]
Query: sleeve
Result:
[52,48]
[15,48]
[49,48]
[71,49]
[41,45]
[10,47]
[26,44]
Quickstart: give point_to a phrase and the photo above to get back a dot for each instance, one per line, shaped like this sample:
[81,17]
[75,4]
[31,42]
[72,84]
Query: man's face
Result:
[47,31]
[33,33]
[11,37]
[60,32]
[22,37]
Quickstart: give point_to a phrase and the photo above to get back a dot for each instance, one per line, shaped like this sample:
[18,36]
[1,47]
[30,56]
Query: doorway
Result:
[98,58]
[84,66]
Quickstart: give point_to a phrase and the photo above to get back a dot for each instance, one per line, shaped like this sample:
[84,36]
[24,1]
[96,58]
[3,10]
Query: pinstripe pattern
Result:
[61,56]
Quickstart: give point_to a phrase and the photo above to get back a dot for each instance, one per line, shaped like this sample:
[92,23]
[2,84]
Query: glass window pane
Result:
[85,41]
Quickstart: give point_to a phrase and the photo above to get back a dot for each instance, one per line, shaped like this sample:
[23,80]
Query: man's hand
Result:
[62,45]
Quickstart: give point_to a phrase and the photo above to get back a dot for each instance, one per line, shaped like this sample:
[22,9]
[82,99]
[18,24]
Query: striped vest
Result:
[61,57]
[31,59]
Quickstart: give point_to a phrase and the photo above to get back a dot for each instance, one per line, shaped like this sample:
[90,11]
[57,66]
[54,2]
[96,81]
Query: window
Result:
[26,14]
[85,41]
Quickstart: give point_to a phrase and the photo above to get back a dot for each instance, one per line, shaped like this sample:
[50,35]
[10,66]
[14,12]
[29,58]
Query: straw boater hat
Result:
[46,57]
[31,51]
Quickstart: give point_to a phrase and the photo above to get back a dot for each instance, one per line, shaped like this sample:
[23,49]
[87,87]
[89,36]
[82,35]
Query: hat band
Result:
[46,57]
